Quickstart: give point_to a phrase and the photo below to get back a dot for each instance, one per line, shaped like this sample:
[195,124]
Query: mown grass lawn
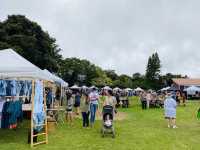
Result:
[141,130]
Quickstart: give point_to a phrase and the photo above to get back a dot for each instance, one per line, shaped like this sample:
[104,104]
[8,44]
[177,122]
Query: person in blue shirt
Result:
[49,98]
[170,110]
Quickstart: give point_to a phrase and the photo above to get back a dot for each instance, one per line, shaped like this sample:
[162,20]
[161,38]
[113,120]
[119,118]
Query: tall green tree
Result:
[153,71]
[31,41]
[153,67]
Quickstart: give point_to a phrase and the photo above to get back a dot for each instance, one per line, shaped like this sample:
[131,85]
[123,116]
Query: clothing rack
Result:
[16,96]
[45,133]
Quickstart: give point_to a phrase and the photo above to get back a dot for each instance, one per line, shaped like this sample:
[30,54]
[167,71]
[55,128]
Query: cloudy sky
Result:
[120,34]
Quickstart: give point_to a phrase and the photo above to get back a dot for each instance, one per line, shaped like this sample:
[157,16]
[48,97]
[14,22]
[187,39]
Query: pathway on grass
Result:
[118,117]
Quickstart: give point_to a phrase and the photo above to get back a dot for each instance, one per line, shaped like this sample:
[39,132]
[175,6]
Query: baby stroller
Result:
[107,124]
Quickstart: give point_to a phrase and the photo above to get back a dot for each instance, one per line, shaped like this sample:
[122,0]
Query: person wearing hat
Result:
[170,110]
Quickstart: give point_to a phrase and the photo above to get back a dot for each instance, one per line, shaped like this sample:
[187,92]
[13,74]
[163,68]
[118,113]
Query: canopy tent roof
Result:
[165,89]
[128,89]
[138,89]
[107,88]
[13,65]
[65,84]
[74,87]
[55,78]
[84,87]
[117,89]
[192,90]
[172,89]
[93,87]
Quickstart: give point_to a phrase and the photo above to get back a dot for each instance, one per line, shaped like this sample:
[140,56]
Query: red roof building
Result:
[182,83]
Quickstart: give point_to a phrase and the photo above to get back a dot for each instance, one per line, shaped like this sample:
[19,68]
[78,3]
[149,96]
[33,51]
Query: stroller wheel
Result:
[103,134]
[113,136]
[113,133]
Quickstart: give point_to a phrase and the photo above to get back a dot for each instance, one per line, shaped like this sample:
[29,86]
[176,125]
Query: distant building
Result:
[182,83]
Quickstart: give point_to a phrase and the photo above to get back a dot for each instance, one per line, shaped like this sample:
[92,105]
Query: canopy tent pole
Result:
[61,94]
[45,110]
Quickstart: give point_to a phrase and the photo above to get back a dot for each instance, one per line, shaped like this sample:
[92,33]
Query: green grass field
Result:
[141,130]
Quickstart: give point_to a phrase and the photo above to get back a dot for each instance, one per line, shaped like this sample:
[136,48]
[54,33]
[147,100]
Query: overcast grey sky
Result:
[120,34]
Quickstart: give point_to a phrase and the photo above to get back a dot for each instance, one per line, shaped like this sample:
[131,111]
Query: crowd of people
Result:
[88,104]
[150,99]
[169,100]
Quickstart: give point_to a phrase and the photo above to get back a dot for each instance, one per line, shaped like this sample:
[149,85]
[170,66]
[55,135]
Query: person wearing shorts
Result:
[69,109]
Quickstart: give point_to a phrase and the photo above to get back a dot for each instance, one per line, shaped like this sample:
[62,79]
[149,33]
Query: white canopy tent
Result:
[128,89]
[165,89]
[13,65]
[116,89]
[107,88]
[74,87]
[61,81]
[138,89]
[192,90]
[93,87]
[55,78]
[84,87]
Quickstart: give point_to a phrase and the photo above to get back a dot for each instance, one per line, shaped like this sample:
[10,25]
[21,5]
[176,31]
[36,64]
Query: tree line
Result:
[36,45]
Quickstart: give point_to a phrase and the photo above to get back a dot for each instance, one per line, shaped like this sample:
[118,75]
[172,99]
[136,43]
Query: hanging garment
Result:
[29,88]
[26,90]
[1,108]
[11,113]
[22,91]
[3,86]
[19,112]
[38,113]
[5,116]
[13,88]
[18,88]
[15,113]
